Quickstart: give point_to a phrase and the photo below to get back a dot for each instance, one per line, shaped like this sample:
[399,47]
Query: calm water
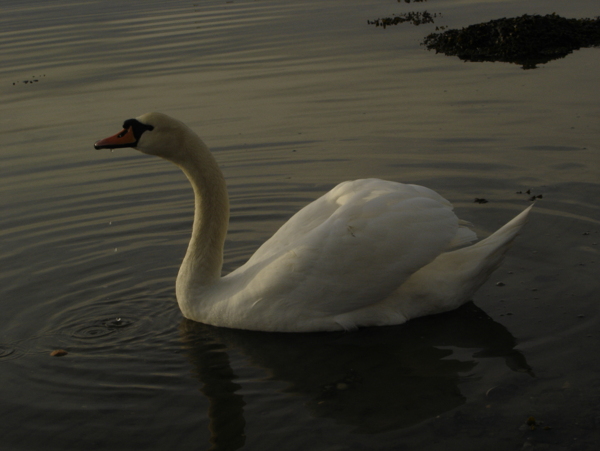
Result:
[293,97]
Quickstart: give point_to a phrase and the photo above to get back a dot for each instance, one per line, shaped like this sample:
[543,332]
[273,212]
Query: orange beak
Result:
[125,138]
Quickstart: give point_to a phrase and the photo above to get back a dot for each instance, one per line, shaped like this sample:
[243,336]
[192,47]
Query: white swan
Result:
[367,253]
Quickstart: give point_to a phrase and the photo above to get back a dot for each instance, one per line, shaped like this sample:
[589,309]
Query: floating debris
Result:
[532,198]
[480,200]
[351,380]
[34,79]
[415,18]
[58,353]
[531,423]
[527,40]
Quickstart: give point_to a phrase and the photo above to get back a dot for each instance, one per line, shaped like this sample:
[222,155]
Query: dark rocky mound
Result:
[525,40]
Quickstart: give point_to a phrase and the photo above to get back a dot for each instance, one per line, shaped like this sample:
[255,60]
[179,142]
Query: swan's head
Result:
[151,133]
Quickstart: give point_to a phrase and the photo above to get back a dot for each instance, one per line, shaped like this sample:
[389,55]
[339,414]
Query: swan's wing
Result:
[353,246]
[298,226]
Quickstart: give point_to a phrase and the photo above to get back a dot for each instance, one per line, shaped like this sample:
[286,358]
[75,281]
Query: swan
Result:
[367,253]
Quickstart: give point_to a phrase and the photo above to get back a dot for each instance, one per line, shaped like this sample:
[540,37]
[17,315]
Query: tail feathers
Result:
[452,278]
[474,264]
[506,234]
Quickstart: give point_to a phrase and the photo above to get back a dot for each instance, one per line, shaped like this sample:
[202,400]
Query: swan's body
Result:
[367,253]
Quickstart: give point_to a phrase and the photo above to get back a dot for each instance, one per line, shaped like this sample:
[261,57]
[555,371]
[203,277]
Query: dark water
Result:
[292,98]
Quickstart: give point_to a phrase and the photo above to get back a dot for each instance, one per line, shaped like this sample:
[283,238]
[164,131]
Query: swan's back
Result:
[367,206]
[347,250]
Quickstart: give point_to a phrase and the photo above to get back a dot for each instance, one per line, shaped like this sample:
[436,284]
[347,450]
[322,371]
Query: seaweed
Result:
[527,40]
[415,18]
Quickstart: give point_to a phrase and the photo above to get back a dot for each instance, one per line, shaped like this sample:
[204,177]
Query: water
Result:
[292,98]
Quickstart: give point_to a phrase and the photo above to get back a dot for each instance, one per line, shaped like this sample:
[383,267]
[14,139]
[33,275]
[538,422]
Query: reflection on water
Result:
[211,365]
[375,380]
[292,97]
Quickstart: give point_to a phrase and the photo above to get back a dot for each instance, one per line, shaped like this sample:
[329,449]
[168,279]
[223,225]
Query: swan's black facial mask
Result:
[128,137]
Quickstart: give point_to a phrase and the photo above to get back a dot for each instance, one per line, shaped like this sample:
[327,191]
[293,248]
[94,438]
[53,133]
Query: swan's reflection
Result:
[375,379]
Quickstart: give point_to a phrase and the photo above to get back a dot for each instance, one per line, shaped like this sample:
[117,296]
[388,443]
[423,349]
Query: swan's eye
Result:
[137,127]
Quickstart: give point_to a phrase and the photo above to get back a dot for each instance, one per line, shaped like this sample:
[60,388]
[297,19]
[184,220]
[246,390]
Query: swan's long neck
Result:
[204,257]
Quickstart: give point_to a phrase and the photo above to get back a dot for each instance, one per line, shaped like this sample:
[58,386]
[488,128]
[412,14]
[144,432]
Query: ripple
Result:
[117,323]
[91,332]
[5,351]
[101,328]
[10,352]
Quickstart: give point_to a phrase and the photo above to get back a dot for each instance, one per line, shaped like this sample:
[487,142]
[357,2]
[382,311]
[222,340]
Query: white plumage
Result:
[369,252]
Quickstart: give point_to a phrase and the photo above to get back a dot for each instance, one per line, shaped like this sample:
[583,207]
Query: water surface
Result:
[292,98]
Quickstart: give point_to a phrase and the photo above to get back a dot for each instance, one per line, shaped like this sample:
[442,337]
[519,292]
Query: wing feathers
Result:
[355,245]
